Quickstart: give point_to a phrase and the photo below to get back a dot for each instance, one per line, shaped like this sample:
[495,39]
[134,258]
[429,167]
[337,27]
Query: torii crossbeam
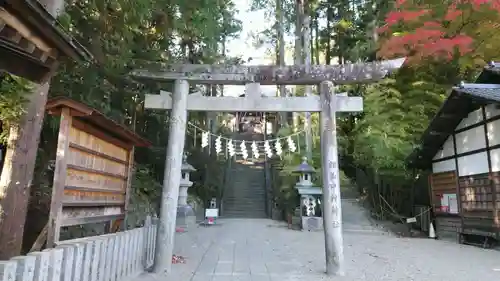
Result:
[268,74]
[253,101]
[328,103]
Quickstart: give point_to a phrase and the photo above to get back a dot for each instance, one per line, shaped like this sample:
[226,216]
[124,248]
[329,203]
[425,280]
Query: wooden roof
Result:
[97,119]
[31,40]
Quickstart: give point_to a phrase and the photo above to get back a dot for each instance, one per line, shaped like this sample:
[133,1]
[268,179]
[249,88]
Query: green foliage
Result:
[144,197]
[13,91]
[124,35]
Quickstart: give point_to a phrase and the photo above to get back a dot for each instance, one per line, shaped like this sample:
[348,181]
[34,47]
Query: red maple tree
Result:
[436,30]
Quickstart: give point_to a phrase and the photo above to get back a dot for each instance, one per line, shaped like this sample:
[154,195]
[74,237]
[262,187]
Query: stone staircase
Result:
[245,194]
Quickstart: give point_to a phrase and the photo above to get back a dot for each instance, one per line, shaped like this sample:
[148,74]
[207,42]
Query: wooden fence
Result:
[110,257]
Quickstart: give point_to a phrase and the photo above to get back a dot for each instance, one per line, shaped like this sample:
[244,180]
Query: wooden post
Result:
[172,178]
[130,176]
[332,213]
[54,228]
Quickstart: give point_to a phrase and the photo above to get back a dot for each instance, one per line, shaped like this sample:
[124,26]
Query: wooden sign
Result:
[93,170]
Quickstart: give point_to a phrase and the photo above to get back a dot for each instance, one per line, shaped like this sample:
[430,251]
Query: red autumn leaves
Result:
[436,30]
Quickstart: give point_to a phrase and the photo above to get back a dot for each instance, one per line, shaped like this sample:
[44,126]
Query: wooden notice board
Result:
[93,170]
[444,193]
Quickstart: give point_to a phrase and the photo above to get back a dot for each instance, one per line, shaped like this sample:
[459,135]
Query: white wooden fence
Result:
[110,257]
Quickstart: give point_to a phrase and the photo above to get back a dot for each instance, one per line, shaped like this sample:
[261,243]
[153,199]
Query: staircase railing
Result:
[109,257]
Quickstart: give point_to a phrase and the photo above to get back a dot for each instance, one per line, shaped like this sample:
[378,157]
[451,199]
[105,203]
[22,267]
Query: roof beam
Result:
[269,74]
[478,86]
[23,30]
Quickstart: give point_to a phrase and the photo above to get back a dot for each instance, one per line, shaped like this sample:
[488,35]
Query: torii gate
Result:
[180,102]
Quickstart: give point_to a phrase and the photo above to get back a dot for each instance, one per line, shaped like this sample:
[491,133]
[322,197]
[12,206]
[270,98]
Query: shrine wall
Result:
[463,183]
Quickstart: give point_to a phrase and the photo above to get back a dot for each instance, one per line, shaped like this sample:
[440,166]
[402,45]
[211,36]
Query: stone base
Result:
[186,217]
[312,223]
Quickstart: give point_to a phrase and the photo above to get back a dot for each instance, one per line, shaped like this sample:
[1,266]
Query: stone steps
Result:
[245,195]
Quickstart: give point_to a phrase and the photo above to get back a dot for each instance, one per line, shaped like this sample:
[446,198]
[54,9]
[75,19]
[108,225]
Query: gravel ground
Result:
[263,250]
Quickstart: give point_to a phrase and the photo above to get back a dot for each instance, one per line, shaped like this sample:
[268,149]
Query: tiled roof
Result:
[490,94]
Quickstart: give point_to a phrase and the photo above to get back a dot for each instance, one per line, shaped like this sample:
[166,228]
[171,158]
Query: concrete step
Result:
[244,204]
[244,189]
[248,208]
[257,215]
[245,192]
[241,196]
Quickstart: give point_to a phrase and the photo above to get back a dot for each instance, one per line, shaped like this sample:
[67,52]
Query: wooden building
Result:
[32,42]
[462,147]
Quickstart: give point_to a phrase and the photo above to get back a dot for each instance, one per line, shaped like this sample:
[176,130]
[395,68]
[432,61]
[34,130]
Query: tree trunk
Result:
[316,38]
[306,37]
[299,11]
[17,173]
[329,19]
[20,158]
[281,51]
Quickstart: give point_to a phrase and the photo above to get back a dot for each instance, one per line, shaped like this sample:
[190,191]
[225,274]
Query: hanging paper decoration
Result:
[218,145]
[277,146]
[255,151]
[267,149]
[204,139]
[269,145]
[243,148]
[230,148]
[291,144]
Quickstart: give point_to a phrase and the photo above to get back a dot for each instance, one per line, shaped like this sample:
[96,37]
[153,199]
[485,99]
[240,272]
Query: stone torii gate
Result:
[328,103]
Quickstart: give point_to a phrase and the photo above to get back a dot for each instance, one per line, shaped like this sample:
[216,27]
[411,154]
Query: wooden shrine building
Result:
[32,42]
[462,148]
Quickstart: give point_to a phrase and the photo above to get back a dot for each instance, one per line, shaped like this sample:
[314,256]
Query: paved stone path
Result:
[264,250]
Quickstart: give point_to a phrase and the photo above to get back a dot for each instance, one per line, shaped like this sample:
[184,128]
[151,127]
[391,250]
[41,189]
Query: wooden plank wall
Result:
[91,178]
[96,179]
[441,183]
[447,225]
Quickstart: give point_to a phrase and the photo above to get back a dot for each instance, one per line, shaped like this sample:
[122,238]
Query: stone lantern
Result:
[310,197]
[185,214]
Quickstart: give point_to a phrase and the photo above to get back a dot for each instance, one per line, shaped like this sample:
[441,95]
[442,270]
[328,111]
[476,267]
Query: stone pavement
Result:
[265,250]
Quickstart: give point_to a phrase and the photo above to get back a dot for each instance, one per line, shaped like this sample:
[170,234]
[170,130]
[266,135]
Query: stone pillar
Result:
[183,194]
[332,213]
[171,179]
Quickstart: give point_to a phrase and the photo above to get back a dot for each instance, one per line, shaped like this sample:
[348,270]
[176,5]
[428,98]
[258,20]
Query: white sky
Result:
[253,22]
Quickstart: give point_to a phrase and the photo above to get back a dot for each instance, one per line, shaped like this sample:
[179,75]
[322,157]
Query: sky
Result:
[253,22]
